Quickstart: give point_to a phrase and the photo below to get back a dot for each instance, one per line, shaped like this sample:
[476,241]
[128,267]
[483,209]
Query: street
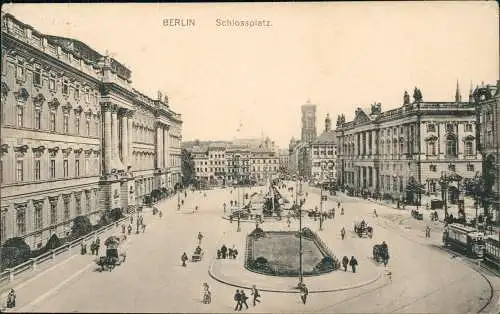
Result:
[424,277]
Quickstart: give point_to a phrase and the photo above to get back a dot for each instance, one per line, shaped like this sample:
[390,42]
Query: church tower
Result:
[308,122]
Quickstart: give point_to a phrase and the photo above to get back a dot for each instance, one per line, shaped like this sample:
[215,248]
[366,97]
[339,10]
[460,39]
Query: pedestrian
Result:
[97,245]
[129,229]
[200,237]
[196,208]
[83,250]
[223,250]
[342,233]
[342,211]
[182,202]
[353,262]
[131,219]
[160,214]
[207,295]
[427,232]
[255,293]
[11,299]
[244,299]
[303,293]
[143,228]
[345,262]
[237,298]
[219,254]
[230,254]
[184,259]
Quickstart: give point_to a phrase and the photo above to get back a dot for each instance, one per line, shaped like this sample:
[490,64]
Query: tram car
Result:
[465,239]
[492,250]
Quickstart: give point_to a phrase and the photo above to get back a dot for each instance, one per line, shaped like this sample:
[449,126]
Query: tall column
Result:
[107,138]
[130,121]
[114,139]
[125,140]
[159,146]
[166,149]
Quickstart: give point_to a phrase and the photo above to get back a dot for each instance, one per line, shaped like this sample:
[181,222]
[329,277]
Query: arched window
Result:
[451,145]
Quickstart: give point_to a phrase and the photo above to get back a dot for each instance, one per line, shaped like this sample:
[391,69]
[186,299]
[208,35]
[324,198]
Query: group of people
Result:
[224,252]
[241,298]
[353,262]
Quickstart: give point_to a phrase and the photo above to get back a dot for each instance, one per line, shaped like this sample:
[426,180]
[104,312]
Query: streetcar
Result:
[465,239]
[492,250]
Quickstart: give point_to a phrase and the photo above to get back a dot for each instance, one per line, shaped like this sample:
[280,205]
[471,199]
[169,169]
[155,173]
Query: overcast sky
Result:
[338,55]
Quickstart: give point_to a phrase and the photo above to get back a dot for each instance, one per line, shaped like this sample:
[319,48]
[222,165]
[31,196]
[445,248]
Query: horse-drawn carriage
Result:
[381,253]
[363,230]
[115,253]
[197,254]
[417,215]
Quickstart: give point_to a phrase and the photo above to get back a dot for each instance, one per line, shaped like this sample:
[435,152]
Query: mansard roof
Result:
[327,137]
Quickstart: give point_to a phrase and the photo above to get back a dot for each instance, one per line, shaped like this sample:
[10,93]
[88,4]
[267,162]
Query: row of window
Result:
[450,127]
[451,147]
[53,121]
[217,169]
[66,89]
[37,212]
[55,170]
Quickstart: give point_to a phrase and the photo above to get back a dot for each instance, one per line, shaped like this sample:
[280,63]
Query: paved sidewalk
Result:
[232,272]
[50,277]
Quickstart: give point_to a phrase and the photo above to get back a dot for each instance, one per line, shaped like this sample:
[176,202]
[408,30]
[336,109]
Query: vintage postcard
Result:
[337,157]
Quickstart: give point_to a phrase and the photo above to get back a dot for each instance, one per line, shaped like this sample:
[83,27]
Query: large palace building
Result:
[76,138]
[419,144]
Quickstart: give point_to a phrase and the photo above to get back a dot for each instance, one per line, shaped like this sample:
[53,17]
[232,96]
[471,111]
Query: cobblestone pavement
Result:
[424,278]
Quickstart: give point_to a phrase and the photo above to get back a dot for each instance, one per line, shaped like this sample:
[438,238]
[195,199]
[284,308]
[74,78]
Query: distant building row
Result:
[228,163]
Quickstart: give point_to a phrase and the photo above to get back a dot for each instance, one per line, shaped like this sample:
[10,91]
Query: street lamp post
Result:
[321,210]
[301,279]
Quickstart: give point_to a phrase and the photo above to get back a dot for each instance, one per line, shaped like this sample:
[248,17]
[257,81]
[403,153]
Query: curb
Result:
[348,287]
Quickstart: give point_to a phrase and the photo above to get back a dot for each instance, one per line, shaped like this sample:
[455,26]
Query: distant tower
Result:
[458,97]
[471,97]
[308,122]
[328,123]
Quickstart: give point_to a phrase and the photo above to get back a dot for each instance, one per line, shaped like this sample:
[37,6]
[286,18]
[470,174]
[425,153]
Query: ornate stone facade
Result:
[382,152]
[76,138]
[487,99]
[324,155]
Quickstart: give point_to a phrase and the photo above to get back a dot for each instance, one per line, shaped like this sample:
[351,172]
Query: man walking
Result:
[353,262]
[255,294]
[345,262]
[237,298]
[342,233]
[303,293]
[184,259]
[200,237]
[427,232]
[244,300]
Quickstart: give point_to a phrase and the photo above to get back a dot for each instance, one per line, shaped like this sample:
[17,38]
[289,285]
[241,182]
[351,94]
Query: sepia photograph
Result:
[285,157]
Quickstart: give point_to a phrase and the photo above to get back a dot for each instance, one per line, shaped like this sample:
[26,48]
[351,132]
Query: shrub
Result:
[53,243]
[14,252]
[81,226]
[116,214]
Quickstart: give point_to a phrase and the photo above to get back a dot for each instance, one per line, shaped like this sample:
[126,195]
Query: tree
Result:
[81,226]
[187,166]
[413,190]
[14,252]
